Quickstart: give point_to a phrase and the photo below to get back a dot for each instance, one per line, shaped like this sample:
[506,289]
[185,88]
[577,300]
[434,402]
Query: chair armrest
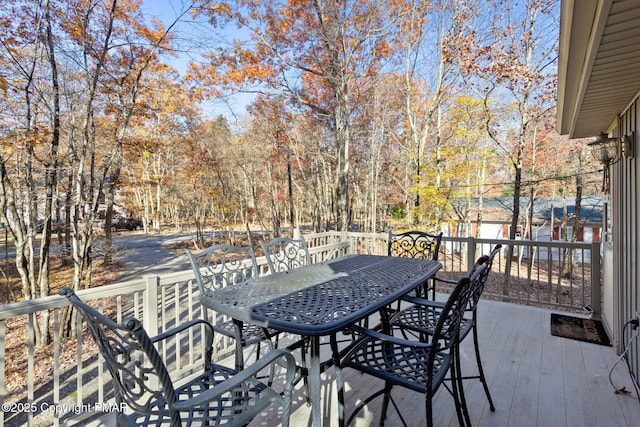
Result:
[389,338]
[423,301]
[432,283]
[242,376]
[442,279]
[182,327]
[208,336]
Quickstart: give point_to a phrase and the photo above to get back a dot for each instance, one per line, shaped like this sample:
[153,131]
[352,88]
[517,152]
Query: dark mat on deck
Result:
[578,328]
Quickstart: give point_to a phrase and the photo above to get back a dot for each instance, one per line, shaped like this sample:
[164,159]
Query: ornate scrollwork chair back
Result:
[140,377]
[415,244]
[222,265]
[284,254]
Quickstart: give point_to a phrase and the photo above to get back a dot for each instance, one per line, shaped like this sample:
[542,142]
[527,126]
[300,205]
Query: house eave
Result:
[592,89]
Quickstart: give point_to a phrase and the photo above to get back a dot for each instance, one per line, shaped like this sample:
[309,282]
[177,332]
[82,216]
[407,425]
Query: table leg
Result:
[339,381]
[239,356]
[314,382]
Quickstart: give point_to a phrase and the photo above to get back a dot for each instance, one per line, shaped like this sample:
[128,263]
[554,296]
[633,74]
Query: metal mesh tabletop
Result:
[321,299]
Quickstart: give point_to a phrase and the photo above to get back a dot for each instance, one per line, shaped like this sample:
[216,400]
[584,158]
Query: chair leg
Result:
[362,404]
[385,402]
[272,369]
[429,407]
[458,389]
[483,380]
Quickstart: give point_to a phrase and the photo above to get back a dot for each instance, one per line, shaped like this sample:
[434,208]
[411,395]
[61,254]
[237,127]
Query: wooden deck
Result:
[536,379]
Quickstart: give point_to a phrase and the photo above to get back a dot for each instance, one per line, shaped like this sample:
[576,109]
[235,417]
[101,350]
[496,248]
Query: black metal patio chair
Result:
[214,395]
[416,244]
[284,253]
[423,315]
[219,266]
[421,366]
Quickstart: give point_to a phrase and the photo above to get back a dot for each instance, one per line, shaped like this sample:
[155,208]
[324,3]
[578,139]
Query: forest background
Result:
[364,113]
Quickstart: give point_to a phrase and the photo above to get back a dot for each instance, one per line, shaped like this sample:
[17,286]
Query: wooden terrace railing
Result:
[73,380]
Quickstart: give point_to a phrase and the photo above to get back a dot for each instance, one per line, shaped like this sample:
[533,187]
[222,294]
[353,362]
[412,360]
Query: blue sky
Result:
[189,33]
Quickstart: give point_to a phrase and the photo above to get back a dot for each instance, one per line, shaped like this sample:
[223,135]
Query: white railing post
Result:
[150,313]
[3,366]
[345,236]
[150,305]
[596,297]
[471,252]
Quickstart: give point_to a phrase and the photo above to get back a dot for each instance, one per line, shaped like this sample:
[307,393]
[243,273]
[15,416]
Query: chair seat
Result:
[246,400]
[399,364]
[422,319]
[251,334]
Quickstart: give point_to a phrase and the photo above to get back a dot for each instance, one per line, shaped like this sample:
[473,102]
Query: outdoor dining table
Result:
[322,299]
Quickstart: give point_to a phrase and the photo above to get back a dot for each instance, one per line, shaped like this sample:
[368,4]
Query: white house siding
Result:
[598,88]
[626,229]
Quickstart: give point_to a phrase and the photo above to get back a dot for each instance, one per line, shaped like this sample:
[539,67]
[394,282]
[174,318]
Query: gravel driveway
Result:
[144,254]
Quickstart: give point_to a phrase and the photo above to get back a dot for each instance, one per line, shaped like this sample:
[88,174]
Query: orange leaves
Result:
[219,9]
[383,48]
[230,70]
[209,9]
[38,136]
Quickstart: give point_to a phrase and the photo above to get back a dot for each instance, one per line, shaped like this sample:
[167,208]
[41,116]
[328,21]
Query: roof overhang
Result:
[598,64]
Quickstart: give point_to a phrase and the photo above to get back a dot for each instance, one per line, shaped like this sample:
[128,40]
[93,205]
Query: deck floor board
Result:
[536,379]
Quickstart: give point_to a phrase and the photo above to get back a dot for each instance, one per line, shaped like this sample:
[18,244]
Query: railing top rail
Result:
[523,242]
[55,301]
[384,235]
[330,246]
[322,234]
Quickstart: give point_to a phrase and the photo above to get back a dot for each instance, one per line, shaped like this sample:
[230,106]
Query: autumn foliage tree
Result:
[76,73]
[31,140]
[513,64]
[321,54]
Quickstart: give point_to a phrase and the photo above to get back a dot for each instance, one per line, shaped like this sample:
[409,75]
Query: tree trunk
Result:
[577,225]
[49,183]
[343,212]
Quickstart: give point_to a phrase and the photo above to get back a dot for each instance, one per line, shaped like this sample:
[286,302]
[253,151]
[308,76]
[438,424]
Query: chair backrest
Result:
[461,294]
[414,244]
[479,284]
[446,333]
[284,254]
[140,377]
[222,265]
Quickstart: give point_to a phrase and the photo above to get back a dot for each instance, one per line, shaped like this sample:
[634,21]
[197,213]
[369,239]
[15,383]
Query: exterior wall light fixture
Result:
[628,145]
[607,151]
